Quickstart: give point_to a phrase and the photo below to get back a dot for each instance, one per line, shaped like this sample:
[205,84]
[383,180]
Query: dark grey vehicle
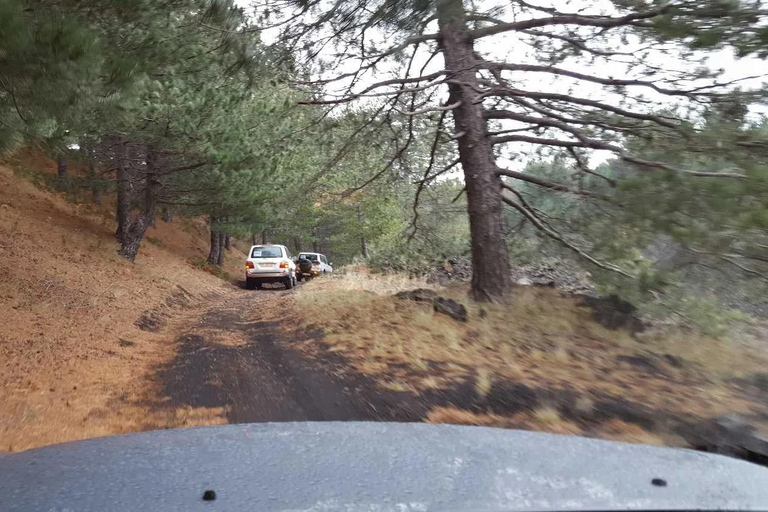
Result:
[371,467]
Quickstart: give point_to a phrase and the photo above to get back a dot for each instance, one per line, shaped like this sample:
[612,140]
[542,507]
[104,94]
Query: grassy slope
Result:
[73,364]
[541,363]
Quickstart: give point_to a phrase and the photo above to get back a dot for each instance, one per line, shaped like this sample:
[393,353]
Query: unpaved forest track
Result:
[250,358]
[243,355]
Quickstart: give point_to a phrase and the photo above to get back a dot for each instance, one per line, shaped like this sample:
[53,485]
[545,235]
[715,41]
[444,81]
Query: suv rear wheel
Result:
[289,283]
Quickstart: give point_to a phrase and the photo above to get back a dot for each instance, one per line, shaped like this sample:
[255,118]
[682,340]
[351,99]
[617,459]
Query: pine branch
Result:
[585,141]
[578,44]
[383,83]
[615,82]
[352,97]
[502,91]
[606,125]
[568,19]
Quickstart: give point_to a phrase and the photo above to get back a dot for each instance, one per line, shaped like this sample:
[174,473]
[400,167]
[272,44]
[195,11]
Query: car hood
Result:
[372,466]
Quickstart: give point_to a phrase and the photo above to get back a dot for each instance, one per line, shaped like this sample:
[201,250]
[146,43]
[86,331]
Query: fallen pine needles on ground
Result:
[540,362]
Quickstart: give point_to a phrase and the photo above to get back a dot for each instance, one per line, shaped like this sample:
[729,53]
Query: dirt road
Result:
[245,355]
[252,356]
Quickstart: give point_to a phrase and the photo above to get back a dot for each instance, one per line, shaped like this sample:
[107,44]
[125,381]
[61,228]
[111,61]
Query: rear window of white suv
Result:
[267,251]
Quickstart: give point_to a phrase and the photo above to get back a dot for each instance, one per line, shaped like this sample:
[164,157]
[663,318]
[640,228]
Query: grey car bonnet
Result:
[371,466]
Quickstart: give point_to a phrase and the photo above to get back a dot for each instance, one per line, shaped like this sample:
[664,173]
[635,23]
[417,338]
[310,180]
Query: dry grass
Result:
[618,430]
[396,386]
[546,421]
[483,382]
[461,417]
[359,279]
[547,415]
[543,340]
[72,362]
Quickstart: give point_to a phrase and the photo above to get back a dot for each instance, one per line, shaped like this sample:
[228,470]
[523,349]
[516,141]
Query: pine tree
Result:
[48,63]
[607,83]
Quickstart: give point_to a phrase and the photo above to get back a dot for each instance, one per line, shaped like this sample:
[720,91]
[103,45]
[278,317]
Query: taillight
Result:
[283,264]
[249,265]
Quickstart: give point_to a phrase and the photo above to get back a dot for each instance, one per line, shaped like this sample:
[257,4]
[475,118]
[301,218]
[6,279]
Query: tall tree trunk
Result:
[315,241]
[297,244]
[263,236]
[363,240]
[95,183]
[215,253]
[222,246]
[133,236]
[123,213]
[167,214]
[226,240]
[62,169]
[491,273]
[254,238]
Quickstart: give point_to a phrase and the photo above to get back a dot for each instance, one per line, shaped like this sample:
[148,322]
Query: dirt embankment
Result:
[73,358]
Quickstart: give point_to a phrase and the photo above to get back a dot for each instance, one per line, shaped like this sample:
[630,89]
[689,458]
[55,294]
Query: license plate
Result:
[266,264]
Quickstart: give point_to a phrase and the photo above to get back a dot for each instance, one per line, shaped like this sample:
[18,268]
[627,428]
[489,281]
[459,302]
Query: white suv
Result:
[320,263]
[269,264]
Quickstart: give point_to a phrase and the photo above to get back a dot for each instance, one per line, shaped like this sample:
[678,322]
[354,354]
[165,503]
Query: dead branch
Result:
[733,262]
[461,192]
[432,158]
[551,185]
[556,236]
[510,188]
[584,168]
[442,108]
